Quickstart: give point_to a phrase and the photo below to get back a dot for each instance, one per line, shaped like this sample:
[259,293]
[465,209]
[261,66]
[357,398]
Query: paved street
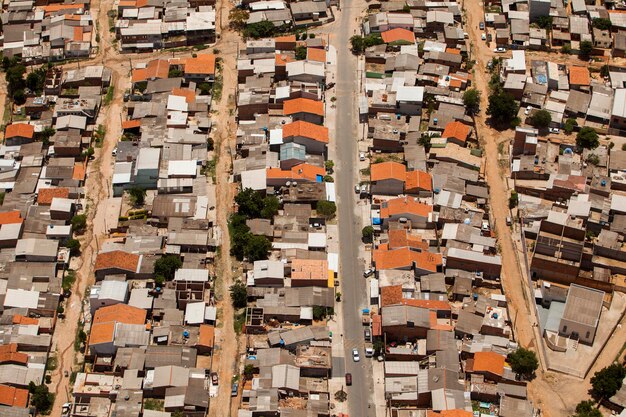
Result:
[354,290]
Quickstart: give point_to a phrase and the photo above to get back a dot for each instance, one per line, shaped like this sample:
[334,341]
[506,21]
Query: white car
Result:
[499,50]
[355,355]
[527,111]
[483,36]
[369,352]
[362,156]
[554,130]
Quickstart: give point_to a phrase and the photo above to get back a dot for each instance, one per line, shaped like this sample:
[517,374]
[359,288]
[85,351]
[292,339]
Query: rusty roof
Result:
[45,196]
[307,130]
[388,170]
[117,259]
[23,130]
[303,105]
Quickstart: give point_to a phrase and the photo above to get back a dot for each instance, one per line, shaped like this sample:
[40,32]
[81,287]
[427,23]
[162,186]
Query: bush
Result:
[74,246]
[271,204]
[328,178]
[545,22]
[137,196]
[326,208]
[570,125]
[248,371]
[566,49]
[587,138]
[593,159]
[368,234]
[607,381]
[602,24]
[471,100]
[587,409]
[250,203]
[166,266]
[262,29]
[79,223]
[513,199]
[523,362]
[321,312]
[239,295]
[301,53]
[586,48]
[19,97]
[41,398]
[358,44]
[256,248]
[159,280]
[541,118]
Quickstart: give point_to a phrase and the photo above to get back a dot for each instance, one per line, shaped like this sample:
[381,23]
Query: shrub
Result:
[587,138]
[524,362]
[166,266]
[239,294]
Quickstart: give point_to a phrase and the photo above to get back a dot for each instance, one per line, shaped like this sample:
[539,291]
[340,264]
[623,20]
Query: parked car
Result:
[362,156]
[483,36]
[348,379]
[235,389]
[368,272]
[509,221]
[489,37]
[481,25]
[499,50]
[356,189]
[554,130]
[355,355]
[367,335]
[114,152]
[214,378]
[363,188]
[527,111]
[369,352]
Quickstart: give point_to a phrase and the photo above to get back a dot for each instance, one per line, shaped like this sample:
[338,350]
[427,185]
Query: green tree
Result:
[250,203]
[523,362]
[301,53]
[256,248]
[239,233]
[566,49]
[601,23]
[545,22]
[137,196]
[607,381]
[159,280]
[79,223]
[15,78]
[587,409]
[326,208]
[35,81]
[239,294]
[368,234]
[513,199]
[329,165]
[586,47]
[541,118]
[358,44]
[175,73]
[378,346]
[502,108]
[167,265]
[248,371]
[74,246]
[19,97]
[41,398]
[587,138]
[570,125]
[471,100]
[321,312]
[262,29]
[45,135]
[271,204]
[328,178]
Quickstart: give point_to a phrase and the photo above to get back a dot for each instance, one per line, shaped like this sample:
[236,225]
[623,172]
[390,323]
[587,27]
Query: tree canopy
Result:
[326,208]
[262,29]
[587,138]
[167,265]
[271,204]
[607,381]
[602,23]
[359,44]
[40,397]
[586,47]
[545,22]
[239,294]
[587,409]
[137,196]
[471,100]
[523,362]
[368,234]
[250,203]
[79,223]
[256,248]
[541,118]
[502,108]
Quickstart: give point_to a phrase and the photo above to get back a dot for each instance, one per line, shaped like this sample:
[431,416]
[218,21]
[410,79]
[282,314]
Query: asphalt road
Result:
[353,285]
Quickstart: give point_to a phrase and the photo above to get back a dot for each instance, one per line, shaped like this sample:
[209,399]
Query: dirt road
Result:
[227,342]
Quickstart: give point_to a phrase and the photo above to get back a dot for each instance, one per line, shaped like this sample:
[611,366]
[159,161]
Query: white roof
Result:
[474,256]
[255,179]
[305,67]
[619,103]
[188,274]
[61,204]
[618,203]
[517,62]
[113,290]
[333,262]
[10,231]
[194,313]
[148,158]
[21,298]
[177,103]
[122,173]
[276,136]
[317,240]
[412,94]
[182,168]
[141,298]
[330,191]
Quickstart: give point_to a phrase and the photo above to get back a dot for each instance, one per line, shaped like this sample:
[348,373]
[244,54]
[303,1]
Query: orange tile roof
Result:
[117,259]
[449,413]
[52,8]
[398,34]
[157,68]
[315,54]
[13,397]
[285,38]
[403,205]
[579,75]
[434,325]
[489,362]
[19,319]
[455,83]
[377,325]
[131,124]
[435,305]
[307,130]
[401,237]
[453,51]
[23,130]
[10,217]
[202,64]
[190,95]
[207,335]
[406,258]
[281,60]
[309,269]
[78,33]
[418,181]
[79,171]
[11,347]
[120,313]
[456,130]
[102,333]
[301,171]
[14,357]
[391,295]
[303,105]
[45,196]
[387,170]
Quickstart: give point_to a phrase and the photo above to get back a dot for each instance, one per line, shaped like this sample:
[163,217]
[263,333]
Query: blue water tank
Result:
[158,289]
[568,151]
[475,296]
[603,183]
[495,316]
[185,334]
